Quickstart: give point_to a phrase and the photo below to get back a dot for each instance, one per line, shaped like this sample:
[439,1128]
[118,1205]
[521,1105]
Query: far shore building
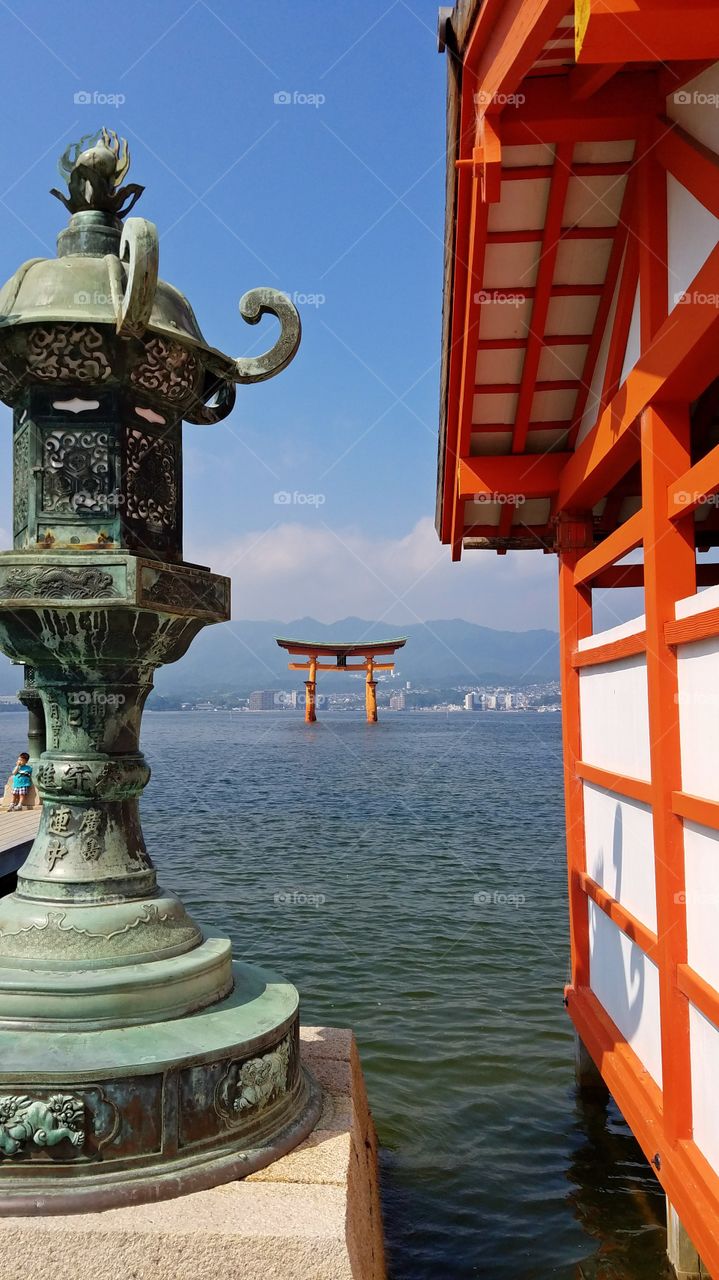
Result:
[263,700]
[580,418]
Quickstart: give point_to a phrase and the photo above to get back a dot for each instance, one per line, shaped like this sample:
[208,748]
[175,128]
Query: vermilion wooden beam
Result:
[620,31]
[475,239]
[538,172]
[511,388]
[669,575]
[704,812]
[584,82]
[542,297]
[535,236]
[690,490]
[691,163]
[628,923]
[575,623]
[507,39]
[653,250]
[610,283]
[679,365]
[488,428]
[615,545]
[621,325]
[620,575]
[612,114]
[611,651]
[530,475]
[698,626]
[702,995]
[632,788]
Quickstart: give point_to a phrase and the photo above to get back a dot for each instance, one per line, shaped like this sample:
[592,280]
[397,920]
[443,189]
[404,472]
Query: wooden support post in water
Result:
[310,687]
[371,692]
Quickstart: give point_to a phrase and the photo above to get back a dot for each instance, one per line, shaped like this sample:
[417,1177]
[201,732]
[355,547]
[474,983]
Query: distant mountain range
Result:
[241,656]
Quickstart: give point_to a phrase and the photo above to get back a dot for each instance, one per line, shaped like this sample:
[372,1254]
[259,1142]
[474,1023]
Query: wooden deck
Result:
[17,832]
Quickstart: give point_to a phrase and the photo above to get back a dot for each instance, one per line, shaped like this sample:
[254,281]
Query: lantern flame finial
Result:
[94,169]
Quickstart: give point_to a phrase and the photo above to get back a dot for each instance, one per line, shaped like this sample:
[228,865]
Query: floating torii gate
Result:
[313,651]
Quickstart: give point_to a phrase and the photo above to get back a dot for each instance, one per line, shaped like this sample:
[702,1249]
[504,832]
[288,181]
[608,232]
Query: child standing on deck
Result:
[21,781]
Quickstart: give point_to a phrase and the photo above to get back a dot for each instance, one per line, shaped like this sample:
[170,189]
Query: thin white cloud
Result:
[299,569]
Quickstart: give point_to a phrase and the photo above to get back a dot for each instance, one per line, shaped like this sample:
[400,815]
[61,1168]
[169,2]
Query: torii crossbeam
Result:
[313,651]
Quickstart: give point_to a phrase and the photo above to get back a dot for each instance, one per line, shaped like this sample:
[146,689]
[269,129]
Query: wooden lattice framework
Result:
[586,425]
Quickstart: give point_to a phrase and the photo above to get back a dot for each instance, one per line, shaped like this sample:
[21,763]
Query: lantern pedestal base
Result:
[92,1119]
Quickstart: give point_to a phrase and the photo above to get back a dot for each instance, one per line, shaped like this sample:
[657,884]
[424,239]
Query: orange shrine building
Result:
[580,418]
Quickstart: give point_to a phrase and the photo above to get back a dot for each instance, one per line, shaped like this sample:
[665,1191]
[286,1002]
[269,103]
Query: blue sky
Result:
[337,197]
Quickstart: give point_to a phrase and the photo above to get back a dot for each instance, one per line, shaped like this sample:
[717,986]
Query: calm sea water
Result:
[409,877]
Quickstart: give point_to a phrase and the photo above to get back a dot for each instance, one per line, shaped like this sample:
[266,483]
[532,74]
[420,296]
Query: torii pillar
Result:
[310,693]
[371,692]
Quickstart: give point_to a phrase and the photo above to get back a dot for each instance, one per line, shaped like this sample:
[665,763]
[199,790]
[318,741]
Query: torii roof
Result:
[341,646]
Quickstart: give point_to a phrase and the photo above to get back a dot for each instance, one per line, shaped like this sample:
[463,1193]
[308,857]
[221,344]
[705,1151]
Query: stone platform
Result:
[314,1214]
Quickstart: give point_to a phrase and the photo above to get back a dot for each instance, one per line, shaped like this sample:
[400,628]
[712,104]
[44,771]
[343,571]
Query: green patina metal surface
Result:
[130,1043]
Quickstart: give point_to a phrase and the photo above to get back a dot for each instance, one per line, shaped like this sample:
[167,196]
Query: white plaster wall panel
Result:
[701,871]
[582,261]
[491,442]
[620,850]
[571,315]
[490,407]
[511,265]
[694,107]
[531,154]
[706,599]
[533,511]
[626,983]
[704,1042]
[552,406]
[522,205]
[631,627]
[561,362]
[633,348]
[505,319]
[546,441]
[603,152]
[481,513]
[593,201]
[692,234]
[615,717]
[698,691]
[498,366]
[591,408]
